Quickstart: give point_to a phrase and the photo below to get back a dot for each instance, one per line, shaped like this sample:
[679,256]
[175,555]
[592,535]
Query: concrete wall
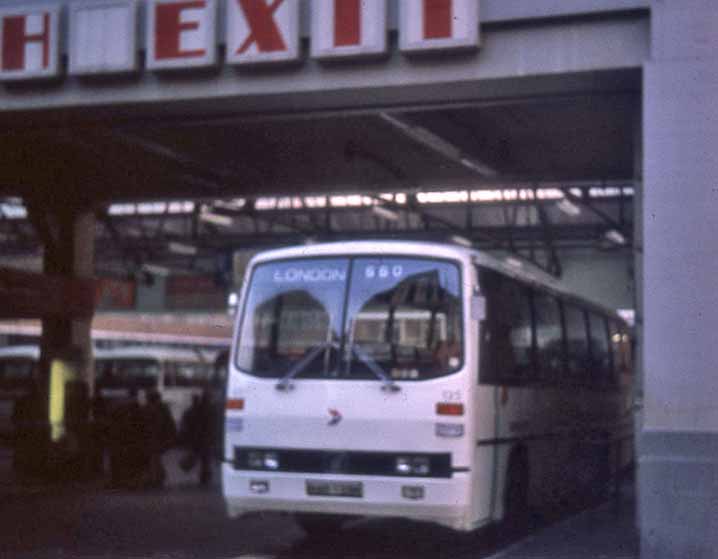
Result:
[605,277]
[679,445]
[547,39]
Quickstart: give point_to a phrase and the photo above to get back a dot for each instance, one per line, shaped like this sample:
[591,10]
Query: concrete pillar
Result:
[70,252]
[678,457]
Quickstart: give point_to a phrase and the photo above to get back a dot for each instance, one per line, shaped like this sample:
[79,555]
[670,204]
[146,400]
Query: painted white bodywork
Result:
[404,421]
[373,420]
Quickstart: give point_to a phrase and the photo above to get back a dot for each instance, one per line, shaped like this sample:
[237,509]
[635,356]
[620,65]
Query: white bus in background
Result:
[418,380]
[177,374]
[18,368]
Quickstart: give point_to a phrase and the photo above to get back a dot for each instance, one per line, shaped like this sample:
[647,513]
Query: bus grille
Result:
[340,462]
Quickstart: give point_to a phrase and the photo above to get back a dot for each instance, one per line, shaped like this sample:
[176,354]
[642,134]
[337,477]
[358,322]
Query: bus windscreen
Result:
[402,315]
[292,307]
[405,314]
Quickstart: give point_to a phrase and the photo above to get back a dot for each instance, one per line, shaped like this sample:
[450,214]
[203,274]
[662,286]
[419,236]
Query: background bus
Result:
[177,374]
[18,367]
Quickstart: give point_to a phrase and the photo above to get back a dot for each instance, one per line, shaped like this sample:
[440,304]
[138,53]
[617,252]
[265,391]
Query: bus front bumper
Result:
[439,500]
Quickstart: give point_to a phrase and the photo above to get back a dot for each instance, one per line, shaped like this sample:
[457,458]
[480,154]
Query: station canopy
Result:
[530,175]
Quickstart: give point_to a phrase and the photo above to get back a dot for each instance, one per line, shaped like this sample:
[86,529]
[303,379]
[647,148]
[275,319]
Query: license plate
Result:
[334,489]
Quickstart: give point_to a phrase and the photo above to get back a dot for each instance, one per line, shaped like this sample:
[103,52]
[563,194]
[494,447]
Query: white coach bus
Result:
[418,380]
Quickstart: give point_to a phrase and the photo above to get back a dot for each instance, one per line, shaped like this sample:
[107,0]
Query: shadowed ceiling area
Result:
[516,150]
[580,138]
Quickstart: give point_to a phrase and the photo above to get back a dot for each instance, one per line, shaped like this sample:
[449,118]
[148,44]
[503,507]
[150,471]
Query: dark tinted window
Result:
[627,349]
[600,352]
[507,333]
[16,373]
[549,337]
[620,348]
[127,373]
[577,356]
[186,374]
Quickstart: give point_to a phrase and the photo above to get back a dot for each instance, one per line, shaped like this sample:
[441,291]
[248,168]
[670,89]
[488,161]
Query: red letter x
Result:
[264,32]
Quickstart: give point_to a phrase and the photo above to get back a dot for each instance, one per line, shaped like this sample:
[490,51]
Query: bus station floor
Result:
[607,531]
[183,521]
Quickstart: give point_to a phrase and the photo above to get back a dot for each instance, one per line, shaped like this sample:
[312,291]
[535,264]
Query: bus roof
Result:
[29,351]
[130,352]
[510,265]
[158,353]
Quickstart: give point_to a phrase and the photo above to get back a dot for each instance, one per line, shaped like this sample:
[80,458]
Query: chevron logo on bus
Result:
[334,417]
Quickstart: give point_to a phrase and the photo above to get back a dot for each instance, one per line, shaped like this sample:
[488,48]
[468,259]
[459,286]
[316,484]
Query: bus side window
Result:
[191,374]
[103,373]
[15,374]
[627,349]
[600,352]
[577,353]
[549,338]
[621,349]
[138,373]
[507,340]
[169,377]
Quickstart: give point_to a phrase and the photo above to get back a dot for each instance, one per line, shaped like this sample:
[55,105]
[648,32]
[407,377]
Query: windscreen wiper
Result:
[387,383]
[285,383]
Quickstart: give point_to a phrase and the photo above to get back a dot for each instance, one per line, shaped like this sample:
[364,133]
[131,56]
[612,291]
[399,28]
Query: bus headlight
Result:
[255,460]
[414,465]
[420,466]
[263,460]
[403,465]
[271,461]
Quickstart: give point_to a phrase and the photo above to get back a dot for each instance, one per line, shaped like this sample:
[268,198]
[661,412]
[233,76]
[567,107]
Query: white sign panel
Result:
[438,24]
[181,33]
[262,31]
[103,36]
[342,28]
[29,41]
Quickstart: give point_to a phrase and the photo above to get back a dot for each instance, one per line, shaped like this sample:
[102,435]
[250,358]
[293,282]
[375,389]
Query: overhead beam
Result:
[548,238]
[485,237]
[439,144]
[585,202]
